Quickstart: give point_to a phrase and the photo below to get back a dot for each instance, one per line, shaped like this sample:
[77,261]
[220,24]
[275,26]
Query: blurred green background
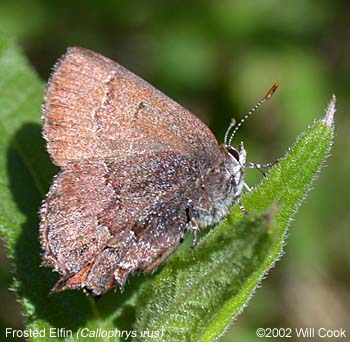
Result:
[217,58]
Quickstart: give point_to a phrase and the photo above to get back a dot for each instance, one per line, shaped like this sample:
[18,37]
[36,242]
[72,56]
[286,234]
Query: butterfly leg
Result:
[195,230]
[247,187]
[193,227]
[241,207]
[260,167]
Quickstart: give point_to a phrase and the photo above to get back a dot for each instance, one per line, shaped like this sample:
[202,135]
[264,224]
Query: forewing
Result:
[96,109]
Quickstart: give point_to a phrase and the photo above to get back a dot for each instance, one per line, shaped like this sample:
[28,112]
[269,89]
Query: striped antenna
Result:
[263,100]
[232,124]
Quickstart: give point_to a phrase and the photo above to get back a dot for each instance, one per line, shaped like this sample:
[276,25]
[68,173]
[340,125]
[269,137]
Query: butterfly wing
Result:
[132,164]
[96,109]
[103,221]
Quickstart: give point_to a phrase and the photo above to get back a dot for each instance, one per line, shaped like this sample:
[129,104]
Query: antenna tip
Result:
[270,92]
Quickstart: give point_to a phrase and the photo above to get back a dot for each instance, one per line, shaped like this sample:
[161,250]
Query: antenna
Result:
[232,124]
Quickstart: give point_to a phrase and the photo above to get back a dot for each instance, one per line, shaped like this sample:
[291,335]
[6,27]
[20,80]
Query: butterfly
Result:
[137,171]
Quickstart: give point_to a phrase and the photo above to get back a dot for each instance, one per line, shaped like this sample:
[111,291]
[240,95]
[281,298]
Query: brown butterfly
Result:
[137,172]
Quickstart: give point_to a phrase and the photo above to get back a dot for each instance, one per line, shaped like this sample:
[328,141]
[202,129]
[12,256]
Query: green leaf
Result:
[198,293]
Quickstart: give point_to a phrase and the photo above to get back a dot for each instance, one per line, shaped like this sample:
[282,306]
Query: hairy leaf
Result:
[198,293]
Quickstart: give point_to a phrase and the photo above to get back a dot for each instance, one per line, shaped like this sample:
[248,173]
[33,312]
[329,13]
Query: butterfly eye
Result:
[233,152]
